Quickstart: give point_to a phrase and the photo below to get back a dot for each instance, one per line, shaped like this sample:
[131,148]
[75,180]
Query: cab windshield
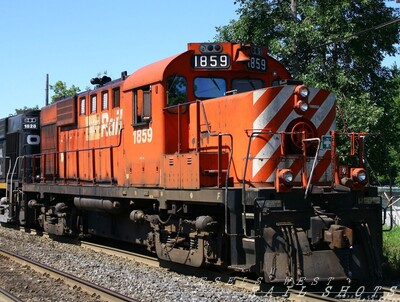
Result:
[243,85]
[207,88]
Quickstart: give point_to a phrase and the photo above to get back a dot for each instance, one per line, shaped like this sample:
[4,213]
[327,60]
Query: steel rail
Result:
[148,260]
[242,283]
[6,296]
[391,293]
[296,295]
[69,279]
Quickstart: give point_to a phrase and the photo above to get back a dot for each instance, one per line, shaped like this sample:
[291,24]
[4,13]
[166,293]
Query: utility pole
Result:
[293,9]
[47,89]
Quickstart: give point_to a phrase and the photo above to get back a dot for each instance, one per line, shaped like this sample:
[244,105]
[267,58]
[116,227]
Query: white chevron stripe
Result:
[270,111]
[313,93]
[332,127]
[323,110]
[257,95]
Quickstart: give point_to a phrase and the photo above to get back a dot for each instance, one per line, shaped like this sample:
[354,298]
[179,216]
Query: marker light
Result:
[210,48]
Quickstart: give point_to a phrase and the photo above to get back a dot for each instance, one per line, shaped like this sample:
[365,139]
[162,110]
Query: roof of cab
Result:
[149,74]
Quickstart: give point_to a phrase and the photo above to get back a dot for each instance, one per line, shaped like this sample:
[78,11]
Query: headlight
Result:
[303,106]
[286,177]
[359,175]
[284,180]
[300,98]
[302,91]
[362,176]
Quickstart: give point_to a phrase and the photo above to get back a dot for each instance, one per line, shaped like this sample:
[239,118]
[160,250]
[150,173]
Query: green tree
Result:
[390,124]
[25,109]
[338,45]
[61,90]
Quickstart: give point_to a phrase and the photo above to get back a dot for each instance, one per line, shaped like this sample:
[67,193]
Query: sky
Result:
[75,40]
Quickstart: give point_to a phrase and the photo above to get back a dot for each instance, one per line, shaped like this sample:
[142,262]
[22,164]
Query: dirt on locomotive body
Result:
[212,157]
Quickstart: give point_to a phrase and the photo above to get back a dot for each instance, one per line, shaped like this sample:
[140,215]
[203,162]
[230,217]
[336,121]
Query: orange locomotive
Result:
[212,157]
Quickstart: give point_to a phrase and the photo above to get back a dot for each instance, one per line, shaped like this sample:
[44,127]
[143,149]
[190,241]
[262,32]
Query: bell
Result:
[241,56]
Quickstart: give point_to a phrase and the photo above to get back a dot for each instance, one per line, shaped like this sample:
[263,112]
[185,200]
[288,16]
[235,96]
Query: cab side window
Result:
[115,97]
[176,90]
[142,105]
[82,106]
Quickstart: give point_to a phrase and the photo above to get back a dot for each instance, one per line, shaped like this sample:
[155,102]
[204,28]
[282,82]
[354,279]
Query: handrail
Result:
[356,139]
[39,155]
[204,115]
[11,180]
[8,173]
[390,206]
[252,134]
[316,139]
[200,104]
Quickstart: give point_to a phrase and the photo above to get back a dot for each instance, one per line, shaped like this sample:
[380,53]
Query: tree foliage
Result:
[338,45]
[25,109]
[61,90]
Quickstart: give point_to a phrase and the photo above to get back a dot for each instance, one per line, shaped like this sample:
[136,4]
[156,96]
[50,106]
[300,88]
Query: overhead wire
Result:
[359,33]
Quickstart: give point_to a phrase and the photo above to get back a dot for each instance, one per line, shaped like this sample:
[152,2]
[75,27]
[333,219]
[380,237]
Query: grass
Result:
[391,250]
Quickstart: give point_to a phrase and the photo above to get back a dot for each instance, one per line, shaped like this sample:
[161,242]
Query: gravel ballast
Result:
[127,277]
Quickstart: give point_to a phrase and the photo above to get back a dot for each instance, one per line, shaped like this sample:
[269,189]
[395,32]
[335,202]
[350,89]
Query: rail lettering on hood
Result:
[103,125]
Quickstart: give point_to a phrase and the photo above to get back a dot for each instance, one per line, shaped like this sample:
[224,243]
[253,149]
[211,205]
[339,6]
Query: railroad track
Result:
[73,281]
[354,293]
[392,293]
[281,291]
[252,286]
[330,292]
[6,296]
[148,260]
[238,282]
[308,293]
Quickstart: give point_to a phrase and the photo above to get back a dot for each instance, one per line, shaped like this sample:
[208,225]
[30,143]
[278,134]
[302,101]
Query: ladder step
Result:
[214,172]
